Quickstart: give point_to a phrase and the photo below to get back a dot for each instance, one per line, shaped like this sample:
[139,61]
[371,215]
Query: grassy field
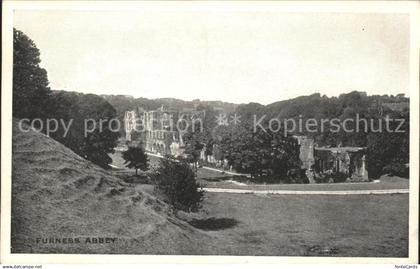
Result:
[309,225]
[313,225]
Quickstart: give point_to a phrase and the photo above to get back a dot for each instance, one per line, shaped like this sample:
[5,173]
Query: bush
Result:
[176,181]
[297,176]
[321,178]
[339,177]
[397,169]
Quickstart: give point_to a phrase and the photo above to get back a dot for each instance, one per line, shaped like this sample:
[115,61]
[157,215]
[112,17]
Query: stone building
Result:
[160,131]
[348,160]
[129,123]
[306,154]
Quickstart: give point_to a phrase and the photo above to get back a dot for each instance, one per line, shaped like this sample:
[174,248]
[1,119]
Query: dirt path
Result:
[226,172]
[280,192]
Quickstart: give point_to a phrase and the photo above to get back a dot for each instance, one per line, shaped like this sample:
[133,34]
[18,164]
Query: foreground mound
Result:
[62,203]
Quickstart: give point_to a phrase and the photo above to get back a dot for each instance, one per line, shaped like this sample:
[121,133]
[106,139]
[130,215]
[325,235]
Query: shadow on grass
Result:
[213,224]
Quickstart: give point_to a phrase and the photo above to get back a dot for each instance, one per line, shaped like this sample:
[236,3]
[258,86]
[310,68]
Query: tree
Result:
[30,81]
[263,153]
[193,147]
[136,158]
[32,98]
[196,139]
[96,144]
[177,182]
[388,152]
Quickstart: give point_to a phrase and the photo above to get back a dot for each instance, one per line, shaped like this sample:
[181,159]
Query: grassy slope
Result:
[56,193]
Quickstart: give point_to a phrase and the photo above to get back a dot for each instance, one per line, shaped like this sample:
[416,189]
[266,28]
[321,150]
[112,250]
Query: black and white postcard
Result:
[204,131]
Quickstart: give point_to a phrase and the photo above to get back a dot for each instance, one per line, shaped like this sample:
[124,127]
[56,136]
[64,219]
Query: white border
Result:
[407,7]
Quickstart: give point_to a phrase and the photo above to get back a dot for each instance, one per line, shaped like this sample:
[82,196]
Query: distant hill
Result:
[58,194]
[320,107]
[316,105]
[124,103]
[313,105]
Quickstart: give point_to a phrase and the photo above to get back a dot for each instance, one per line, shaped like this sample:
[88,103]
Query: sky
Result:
[238,57]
